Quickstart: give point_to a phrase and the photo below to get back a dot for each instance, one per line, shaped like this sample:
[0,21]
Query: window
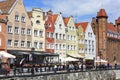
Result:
[0,27]
[28,44]
[16,30]
[23,19]
[35,44]
[60,36]
[23,31]
[22,43]
[40,45]
[16,18]
[9,43]
[35,32]
[41,33]
[56,35]
[38,22]
[64,36]
[9,29]
[60,46]
[16,43]
[28,32]
[63,46]
[60,26]
[51,35]
[47,34]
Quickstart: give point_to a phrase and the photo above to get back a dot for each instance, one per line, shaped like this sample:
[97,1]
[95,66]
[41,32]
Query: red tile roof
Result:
[110,27]
[55,17]
[83,25]
[102,13]
[6,5]
[66,20]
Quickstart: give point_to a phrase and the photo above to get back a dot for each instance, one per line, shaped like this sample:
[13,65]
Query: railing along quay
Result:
[35,71]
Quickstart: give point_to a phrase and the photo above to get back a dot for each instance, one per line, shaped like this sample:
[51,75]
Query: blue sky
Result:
[81,10]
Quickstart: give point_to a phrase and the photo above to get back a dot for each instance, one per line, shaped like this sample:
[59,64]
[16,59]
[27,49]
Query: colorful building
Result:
[38,29]
[60,35]
[107,37]
[3,31]
[71,36]
[81,39]
[49,32]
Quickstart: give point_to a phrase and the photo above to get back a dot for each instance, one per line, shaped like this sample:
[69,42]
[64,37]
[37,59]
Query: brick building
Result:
[107,37]
[3,21]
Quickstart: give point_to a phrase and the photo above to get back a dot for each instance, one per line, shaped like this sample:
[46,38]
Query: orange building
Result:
[3,33]
[107,37]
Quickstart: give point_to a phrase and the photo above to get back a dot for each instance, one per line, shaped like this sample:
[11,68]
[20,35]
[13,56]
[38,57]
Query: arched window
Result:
[37,22]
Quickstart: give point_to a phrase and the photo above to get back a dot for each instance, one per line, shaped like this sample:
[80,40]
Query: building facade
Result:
[3,32]
[49,32]
[60,35]
[71,36]
[107,37]
[38,29]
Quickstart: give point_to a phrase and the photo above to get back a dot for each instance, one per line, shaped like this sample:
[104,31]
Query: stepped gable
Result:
[66,20]
[6,5]
[84,25]
[102,13]
[111,28]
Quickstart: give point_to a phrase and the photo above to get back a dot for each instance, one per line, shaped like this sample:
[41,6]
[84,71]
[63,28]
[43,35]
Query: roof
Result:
[83,25]
[111,28]
[29,14]
[66,20]
[6,5]
[77,25]
[102,13]
[55,17]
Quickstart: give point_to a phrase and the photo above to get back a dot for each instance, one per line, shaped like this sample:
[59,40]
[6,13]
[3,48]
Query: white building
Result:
[90,42]
[60,35]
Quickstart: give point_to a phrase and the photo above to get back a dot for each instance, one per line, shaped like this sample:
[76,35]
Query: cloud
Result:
[81,8]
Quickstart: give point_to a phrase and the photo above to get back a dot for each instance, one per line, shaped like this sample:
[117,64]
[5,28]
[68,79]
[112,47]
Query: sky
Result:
[81,10]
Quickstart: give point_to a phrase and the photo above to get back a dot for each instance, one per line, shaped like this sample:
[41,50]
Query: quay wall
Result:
[85,75]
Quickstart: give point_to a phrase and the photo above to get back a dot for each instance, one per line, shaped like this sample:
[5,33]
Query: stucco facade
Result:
[60,36]
[18,27]
[38,29]
[81,39]
[71,37]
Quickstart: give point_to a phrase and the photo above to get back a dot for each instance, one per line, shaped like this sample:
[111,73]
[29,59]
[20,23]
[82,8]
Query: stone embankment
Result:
[85,75]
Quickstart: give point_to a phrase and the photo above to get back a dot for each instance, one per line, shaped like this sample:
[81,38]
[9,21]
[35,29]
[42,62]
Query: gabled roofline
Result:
[12,7]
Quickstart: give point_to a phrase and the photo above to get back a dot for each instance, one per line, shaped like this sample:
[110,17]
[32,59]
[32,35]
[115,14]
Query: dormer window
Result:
[16,18]
[38,22]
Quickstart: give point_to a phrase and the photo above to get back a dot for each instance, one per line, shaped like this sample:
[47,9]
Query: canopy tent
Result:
[75,55]
[7,55]
[67,59]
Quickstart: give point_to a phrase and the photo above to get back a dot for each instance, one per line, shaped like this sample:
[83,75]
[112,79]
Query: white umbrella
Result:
[70,59]
[101,60]
[7,55]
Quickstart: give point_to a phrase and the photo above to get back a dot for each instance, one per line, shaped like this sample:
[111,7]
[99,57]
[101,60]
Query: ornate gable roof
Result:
[6,5]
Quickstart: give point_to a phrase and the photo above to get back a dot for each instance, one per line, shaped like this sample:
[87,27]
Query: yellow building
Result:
[38,29]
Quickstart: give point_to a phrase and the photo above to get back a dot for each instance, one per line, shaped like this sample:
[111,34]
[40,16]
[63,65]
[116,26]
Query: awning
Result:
[65,59]
[75,55]
[7,55]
